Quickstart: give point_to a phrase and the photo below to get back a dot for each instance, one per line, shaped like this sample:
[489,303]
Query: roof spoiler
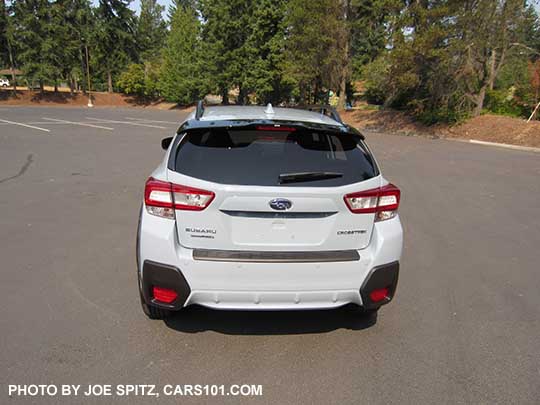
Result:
[324,109]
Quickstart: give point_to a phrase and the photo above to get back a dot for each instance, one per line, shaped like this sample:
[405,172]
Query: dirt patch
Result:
[490,128]
[65,99]
[496,128]
[387,121]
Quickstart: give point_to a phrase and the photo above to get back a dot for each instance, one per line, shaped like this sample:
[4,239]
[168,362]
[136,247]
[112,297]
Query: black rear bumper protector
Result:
[275,257]
[385,276]
[163,275]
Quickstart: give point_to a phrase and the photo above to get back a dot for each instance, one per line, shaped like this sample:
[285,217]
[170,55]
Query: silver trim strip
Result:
[278,215]
[275,257]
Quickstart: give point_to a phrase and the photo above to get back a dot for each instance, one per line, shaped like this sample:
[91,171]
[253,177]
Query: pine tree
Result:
[7,56]
[3,34]
[314,46]
[226,31]
[31,41]
[267,78]
[180,78]
[151,30]
[78,23]
[114,38]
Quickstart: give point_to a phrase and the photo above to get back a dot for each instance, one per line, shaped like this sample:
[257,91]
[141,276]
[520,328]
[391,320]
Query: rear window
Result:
[265,158]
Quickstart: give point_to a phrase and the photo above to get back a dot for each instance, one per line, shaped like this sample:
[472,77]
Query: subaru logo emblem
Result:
[280,204]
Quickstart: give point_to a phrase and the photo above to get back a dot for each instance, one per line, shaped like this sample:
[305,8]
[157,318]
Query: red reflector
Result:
[378,295]
[275,128]
[164,294]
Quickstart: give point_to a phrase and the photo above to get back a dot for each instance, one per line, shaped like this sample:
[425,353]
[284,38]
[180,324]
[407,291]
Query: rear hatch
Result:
[275,189]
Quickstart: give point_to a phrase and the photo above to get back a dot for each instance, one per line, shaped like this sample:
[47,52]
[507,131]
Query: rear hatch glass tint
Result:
[274,158]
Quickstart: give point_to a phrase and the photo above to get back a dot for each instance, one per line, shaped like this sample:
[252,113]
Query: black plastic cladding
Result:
[166,276]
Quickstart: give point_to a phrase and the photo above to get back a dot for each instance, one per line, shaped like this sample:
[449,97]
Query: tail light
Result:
[162,198]
[383,202]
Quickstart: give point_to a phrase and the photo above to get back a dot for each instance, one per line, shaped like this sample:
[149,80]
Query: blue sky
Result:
[135,5]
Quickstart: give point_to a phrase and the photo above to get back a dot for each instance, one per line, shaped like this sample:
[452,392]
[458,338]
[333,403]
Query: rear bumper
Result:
[162,275]
[247,285]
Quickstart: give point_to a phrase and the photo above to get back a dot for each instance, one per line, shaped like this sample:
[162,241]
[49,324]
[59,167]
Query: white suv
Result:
[261,208]
[4,82]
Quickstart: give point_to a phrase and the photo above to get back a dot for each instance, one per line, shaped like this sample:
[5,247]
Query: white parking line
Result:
[126,122]
[46,123]
[145,120]
[78,123]
[25,125]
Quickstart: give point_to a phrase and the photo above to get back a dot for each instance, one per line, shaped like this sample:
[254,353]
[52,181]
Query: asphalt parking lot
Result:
[464,327]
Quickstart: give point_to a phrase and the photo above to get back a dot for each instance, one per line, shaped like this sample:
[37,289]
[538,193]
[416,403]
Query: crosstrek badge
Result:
[352,232]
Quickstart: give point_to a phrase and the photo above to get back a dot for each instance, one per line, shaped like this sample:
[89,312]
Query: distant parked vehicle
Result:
[4,83]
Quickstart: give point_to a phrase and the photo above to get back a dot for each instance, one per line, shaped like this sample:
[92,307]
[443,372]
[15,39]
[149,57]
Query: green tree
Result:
[7,56]
[151,30]
[114,39]
[47,38]
[444,56]
[180,77]
[226,31]
[489,32]
[3,33]
[266,77]
[79,24]
[31,39]
[314,47]
[139,80]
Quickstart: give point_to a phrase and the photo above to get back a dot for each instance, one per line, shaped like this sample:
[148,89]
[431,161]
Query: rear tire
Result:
[153,312]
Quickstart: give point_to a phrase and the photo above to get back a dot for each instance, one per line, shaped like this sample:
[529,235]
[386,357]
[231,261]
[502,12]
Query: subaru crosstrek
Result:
[262,208]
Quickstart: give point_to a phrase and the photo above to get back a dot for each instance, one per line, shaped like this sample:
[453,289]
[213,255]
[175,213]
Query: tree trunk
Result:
[316,92]
[345,61]
[224,96]
[55,86]
[83,71]
[342,93]
[12,66]
[109,82]
[8,43]
[302,96]
[241,95]
[71,84]
[41,86]
[480,98]
[492,69]
[14,81]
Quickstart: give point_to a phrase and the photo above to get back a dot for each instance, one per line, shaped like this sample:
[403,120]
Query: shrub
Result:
[376,75]
[503,102]
[139,80]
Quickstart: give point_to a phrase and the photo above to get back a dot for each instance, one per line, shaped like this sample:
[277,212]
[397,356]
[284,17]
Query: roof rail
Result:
[200,110]
[324,109]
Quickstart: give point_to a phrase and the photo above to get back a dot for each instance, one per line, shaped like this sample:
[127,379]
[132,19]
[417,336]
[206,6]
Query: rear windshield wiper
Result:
[307,176]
